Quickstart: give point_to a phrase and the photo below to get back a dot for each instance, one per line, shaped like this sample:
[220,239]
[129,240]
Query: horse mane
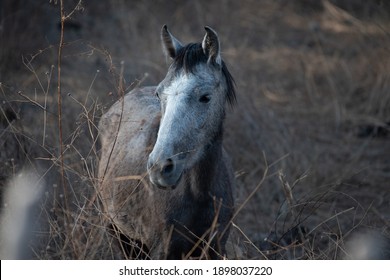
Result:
[191,55]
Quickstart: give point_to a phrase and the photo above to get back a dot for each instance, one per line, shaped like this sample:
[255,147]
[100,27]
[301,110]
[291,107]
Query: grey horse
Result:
[166,182]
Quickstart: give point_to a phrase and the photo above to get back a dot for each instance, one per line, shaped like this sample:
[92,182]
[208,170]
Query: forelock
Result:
[190,56]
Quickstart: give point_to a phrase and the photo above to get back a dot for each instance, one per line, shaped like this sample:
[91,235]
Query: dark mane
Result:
[191,55]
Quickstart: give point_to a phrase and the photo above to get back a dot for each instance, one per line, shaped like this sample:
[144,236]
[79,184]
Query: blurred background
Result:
[309,137]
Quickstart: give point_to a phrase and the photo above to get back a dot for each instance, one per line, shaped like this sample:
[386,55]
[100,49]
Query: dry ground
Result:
[310,136]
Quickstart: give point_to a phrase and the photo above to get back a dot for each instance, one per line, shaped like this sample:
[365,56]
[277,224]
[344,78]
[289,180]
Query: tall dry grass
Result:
[309,137]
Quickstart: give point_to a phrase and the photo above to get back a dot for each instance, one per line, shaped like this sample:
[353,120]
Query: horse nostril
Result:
[168,167]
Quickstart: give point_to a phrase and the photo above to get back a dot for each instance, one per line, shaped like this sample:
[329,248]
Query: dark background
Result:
[313,114]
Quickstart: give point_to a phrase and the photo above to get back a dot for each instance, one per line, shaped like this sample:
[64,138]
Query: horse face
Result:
[192,98]
[192,112]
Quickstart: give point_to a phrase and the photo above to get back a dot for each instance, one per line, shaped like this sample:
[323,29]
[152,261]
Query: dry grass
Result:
[309,137]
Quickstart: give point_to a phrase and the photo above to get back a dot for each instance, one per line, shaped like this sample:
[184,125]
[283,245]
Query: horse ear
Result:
[171,45]
[211,46]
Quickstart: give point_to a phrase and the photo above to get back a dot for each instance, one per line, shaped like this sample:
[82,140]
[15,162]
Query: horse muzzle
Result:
[164,174]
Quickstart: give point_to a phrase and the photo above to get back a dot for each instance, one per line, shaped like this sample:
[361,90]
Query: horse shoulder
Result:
[129,129]
[128,132]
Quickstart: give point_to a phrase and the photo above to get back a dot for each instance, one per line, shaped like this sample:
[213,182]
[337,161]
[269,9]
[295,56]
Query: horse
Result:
[166,182]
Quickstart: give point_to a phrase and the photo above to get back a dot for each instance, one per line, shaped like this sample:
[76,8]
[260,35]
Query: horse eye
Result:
[205,98]
[157,94]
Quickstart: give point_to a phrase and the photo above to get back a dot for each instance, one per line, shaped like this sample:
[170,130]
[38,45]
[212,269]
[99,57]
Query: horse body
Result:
[166,180]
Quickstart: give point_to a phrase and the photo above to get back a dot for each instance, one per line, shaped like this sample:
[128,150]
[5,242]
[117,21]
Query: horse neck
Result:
[202,177]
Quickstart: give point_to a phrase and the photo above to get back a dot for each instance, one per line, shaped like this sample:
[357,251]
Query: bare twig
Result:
[59,102]
[330,218]
[249,241]
[67,220]
[121,94]
[250,195]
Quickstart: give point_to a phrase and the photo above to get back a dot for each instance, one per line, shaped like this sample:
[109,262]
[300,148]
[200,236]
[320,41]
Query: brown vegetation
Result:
[310,137]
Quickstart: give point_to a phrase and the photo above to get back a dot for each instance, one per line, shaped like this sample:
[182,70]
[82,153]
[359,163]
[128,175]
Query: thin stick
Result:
[249,241]
[121,95]
[67,215]
[265,173]
[59,104]
[330,218]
